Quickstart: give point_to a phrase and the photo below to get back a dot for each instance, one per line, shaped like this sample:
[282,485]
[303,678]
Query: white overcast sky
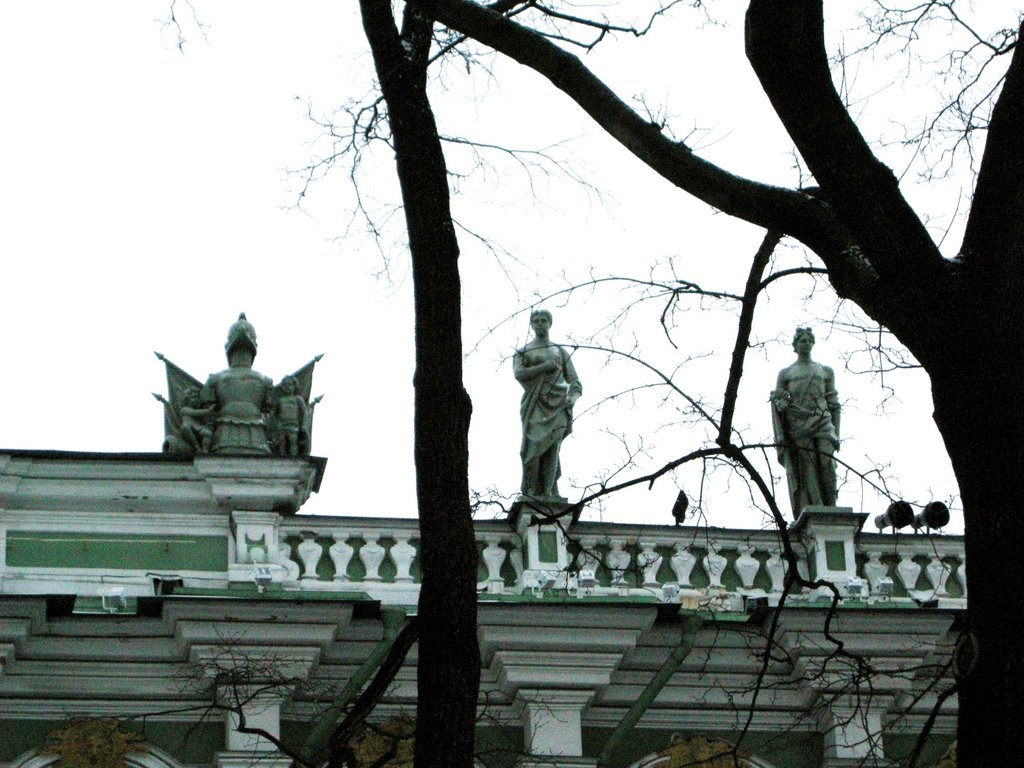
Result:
[144,202]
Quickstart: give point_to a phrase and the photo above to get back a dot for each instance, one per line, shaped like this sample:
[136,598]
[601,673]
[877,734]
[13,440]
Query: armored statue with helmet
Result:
[240,396]
[238,411]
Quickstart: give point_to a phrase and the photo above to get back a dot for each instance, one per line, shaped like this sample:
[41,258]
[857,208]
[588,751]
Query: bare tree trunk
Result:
[963,319]
[448,671]
[979,413]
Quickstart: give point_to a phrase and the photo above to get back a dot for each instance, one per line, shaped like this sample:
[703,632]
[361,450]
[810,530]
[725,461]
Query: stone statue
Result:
[551,388]
[805,417]
[194,422]
[289,418]
[240,396]
[238,411]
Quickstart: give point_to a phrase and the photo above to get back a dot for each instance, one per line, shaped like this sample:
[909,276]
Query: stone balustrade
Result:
[379,556]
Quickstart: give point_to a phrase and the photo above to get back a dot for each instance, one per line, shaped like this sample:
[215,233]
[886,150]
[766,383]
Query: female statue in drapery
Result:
[551,388]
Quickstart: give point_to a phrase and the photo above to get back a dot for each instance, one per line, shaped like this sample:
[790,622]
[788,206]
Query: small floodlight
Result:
[263,578]
[165,584]
[114,600]
[934,515]
[855,587]
[899,514]
[885,586]
[670,592]
[538,580]
[587,579]
[546,579]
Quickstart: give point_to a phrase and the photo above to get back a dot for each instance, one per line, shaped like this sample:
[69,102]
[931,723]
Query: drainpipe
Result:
[392,620]
[688,637]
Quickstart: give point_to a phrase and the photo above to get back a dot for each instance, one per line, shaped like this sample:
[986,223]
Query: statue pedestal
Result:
[829,534]
[530,510]
[542,524]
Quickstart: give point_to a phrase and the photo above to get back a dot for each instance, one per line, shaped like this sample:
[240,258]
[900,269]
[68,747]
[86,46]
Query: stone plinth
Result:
[542,524]
[829,533]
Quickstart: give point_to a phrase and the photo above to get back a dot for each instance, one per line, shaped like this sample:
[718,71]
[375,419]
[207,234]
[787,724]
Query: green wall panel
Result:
[57,549]
[835,555]
[547,547]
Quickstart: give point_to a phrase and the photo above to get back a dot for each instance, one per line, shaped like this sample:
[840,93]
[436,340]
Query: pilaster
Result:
[852,727]
[262,711]
[552,724]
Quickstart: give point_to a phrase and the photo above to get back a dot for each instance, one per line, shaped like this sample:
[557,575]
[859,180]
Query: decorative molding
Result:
[93,743]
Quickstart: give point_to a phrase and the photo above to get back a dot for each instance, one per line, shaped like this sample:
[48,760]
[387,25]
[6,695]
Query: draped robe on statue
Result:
[804,406]
[546,413]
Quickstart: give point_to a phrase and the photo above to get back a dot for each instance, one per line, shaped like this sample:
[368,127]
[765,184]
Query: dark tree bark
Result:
[448,669]
[963,319]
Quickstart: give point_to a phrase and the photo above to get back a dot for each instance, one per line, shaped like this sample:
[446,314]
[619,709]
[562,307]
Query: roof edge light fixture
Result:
[934,515]
[114,600]
[897,515]
[165,583]
[263,577]
[884,586]
[854,587]
[538,580]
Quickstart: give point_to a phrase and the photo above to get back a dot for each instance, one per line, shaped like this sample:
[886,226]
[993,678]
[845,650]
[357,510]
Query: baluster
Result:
[908,571]
[682,563]
[589,558]
[714,564]
[960,577]
[802,568]
[747,566]
[310,552]
[938,573]
[341,553]
[494,557]
[283,557]
[776,565]
[402,555]
[515,556]
[372,555]
[617,561]
[649,561]
[875,570]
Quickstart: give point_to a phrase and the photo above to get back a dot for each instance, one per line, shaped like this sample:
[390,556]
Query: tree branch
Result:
[768,206]
[995,228]
[803,214]
[746,322]
[785,44]
[417,25]
[375,691]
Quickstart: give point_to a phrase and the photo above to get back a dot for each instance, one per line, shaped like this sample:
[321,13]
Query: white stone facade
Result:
[131,620]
